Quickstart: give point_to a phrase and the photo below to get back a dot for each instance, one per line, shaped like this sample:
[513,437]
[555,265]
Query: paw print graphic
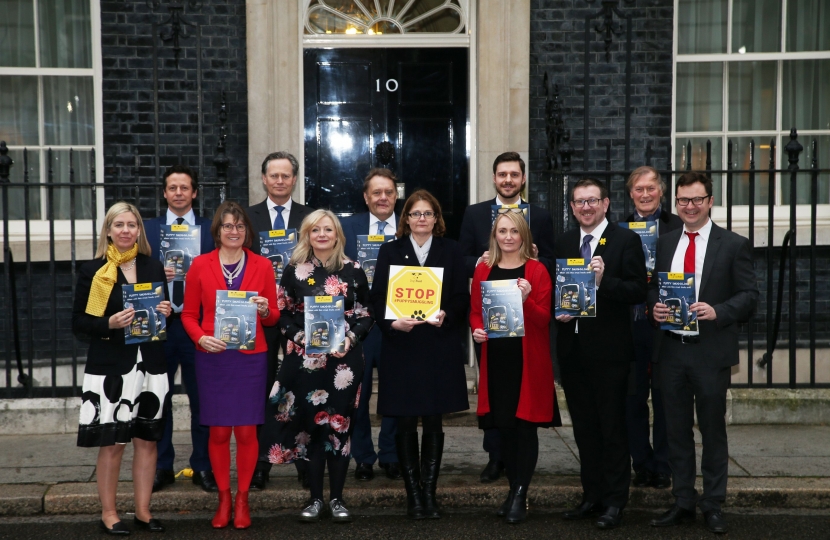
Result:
[418,314]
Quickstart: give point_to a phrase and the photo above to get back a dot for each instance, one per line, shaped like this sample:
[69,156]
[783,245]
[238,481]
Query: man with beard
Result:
[595,353]
[509,179]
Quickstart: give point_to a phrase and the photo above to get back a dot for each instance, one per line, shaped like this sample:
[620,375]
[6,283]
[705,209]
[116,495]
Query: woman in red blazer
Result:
[516,393]
[231,375]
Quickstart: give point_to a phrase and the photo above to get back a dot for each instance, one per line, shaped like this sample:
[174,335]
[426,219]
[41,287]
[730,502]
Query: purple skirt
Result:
[231,388]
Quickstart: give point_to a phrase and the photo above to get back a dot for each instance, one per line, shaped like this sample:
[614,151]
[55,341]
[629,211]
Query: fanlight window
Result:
[379,17]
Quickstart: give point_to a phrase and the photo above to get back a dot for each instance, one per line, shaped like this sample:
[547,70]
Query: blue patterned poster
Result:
[501,308]
[277,246]
[648,236]
[368,246]
[575,289]
[325,325]
[180,244]
[147,324]
[677,291]
[235,320]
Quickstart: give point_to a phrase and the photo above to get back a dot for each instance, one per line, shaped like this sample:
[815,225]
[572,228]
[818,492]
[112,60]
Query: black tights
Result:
[409,424]
[520,451]
[338,468]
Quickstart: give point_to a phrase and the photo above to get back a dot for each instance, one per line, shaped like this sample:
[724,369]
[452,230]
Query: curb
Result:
[455,491]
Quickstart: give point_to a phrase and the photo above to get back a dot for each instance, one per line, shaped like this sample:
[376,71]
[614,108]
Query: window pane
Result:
[16,195]
[65,34]
[740,161]
[700,96]
[804,181]
[68,111]
[752,89]
[701,26]
[696,160]
[808,25]
[60,174]
[17,33]
[18,110]
[806,94]
[756,26]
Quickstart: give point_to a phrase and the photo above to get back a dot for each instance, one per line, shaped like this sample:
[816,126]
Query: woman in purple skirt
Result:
[231,377]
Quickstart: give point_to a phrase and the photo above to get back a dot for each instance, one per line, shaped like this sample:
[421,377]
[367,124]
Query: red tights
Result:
[247,451]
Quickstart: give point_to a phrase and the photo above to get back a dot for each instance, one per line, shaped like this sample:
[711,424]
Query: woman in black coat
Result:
[125,386]
[422,362]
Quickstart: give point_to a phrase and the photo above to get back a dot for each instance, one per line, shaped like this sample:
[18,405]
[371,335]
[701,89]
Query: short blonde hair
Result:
[114,211]
[517,219]
[303,252]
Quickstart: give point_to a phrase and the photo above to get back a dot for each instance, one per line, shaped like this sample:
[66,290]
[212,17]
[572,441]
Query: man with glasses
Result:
[695,371]
[595,353]
[278,211]
[650,463]
[380,193]
[180,190]
[508,179]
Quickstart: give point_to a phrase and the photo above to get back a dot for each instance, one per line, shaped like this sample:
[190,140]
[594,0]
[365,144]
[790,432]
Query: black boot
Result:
[508,502]
[432,449]
[407,444]
[518,510]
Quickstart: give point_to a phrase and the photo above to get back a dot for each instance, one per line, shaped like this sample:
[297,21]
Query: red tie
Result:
[689,259]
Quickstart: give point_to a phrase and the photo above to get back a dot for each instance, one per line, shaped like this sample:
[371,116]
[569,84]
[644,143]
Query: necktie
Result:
[178,286]
[279,223]
[689,259]
[381,227]
[585,250]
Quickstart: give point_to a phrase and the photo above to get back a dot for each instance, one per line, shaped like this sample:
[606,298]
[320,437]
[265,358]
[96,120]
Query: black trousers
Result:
[689,385]
[596,395]
[520,452]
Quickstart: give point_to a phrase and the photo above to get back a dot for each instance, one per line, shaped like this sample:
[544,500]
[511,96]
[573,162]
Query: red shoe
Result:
[241,511]
[223,513]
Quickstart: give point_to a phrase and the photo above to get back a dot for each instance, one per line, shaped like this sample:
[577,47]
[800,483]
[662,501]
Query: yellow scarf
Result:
[105,278]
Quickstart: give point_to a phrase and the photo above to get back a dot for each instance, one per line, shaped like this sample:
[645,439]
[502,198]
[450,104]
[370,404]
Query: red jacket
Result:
[536,397]
[203,280]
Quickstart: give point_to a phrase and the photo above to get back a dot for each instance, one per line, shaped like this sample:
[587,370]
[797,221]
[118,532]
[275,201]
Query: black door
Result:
[416,99]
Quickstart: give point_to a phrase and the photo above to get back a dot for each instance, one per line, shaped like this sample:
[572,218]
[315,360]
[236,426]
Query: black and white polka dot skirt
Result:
[116,408]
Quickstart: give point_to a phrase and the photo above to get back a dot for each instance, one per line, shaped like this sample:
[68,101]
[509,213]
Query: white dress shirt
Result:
[189,219]
[701,242]
[286,211]
[390,228]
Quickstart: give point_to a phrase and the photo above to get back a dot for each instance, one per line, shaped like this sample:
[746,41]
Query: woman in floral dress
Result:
[314,398]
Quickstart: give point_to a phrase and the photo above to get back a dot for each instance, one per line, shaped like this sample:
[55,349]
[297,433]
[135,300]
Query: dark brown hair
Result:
[233,209]
[378,171]
[421,195]
[690,177]
[589,182]
[509,156]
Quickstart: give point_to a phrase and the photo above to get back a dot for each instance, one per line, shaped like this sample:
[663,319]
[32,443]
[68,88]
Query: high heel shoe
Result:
[223,512]
[241,511]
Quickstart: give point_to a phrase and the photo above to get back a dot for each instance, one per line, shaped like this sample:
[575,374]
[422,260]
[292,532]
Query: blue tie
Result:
[381,227]
[585,250]
[279,223]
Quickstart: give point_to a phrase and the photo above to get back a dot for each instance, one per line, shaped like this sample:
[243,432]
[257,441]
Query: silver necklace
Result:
[128,268]
[230,276]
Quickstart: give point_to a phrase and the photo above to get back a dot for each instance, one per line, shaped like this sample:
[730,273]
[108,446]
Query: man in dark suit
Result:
[180,190]
[509,179]
[595,353]
[651,463]
[380,194]
[695,371]
[278,211]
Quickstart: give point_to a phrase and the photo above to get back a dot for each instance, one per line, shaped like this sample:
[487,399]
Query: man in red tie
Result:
[695,371]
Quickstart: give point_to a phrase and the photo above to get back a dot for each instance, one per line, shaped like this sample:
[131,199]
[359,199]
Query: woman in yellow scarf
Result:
[125,385]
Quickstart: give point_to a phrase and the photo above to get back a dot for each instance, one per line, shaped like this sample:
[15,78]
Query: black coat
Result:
[422,372]
[261,219]
[108,354]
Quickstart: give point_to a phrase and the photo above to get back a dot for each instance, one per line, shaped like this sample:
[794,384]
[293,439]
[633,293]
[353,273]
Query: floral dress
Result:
[315,397]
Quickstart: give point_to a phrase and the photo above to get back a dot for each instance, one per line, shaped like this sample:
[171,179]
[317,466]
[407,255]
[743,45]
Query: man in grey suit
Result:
[277,211]
[695,371]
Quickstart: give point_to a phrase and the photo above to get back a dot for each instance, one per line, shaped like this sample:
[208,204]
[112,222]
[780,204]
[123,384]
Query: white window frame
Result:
[740,213]
[39,228]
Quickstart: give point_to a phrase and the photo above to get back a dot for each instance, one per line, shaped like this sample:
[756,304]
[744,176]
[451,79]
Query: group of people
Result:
[312,409]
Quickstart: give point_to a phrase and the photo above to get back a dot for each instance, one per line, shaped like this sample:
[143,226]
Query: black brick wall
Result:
[557,47]
[128,98]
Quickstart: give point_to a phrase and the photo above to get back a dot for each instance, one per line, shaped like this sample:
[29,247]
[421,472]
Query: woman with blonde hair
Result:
[516,392]
[124,386]
[314,399]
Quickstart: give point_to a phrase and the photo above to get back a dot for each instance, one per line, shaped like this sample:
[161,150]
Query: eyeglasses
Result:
[579,203]
[418,215]
[684,201]
[228,227]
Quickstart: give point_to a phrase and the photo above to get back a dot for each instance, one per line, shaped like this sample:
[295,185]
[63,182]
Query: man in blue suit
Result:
[380,194]
[180,190]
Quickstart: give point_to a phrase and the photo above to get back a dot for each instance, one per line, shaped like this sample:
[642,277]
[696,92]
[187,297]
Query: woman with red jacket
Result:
[231,382]
[516,393]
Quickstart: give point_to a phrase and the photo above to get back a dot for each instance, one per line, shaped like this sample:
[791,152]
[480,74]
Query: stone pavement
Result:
[778,466]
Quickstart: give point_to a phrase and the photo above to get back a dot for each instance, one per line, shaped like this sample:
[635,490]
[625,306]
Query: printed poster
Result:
[677,291]
[648,236]
[235,320]
[147,324]
[277,246]
[368,247]
[497,209]
[180,244]
[575,290]
[501,308]
[414,291]
[325,325]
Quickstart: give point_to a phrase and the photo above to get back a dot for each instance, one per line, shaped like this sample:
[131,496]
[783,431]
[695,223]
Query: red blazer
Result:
[205,278]
[536,397]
